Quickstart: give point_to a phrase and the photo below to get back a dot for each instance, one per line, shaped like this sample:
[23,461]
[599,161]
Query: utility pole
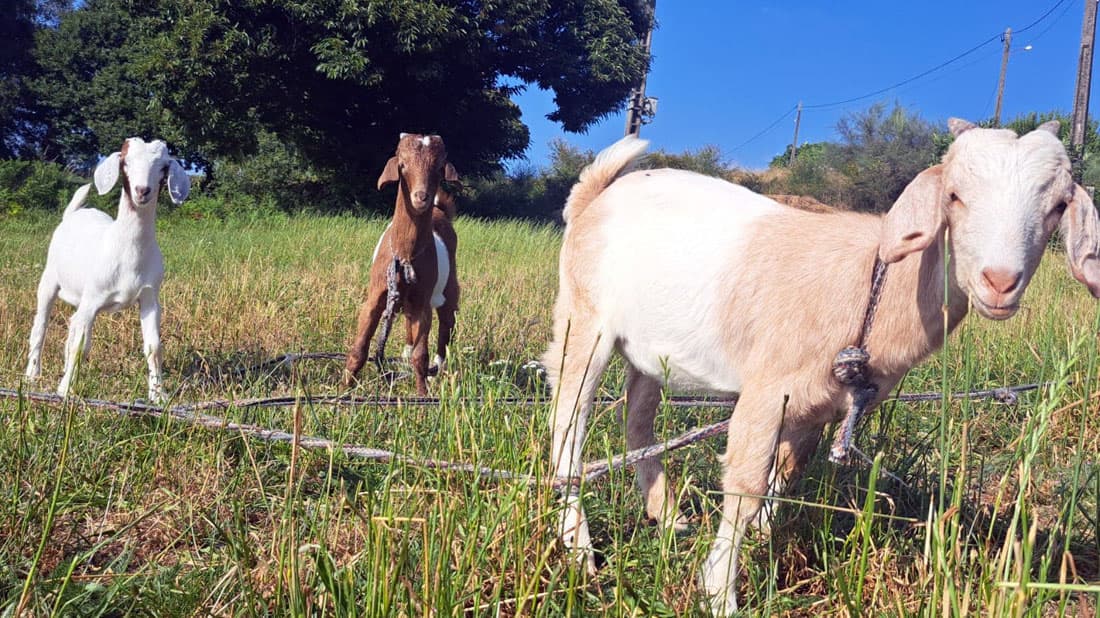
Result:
[794,143]
[641,109]
[1084,79]
[1007,38]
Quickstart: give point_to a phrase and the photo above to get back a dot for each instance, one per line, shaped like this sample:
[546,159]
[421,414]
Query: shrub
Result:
[34,185]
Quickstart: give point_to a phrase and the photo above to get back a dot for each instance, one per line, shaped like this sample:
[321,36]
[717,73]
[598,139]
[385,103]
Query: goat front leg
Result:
[643,395]
[796,445]
[78,342]
[149,305]
[370,312]
[750,453]
[575,364]
[421,324]
[47,294]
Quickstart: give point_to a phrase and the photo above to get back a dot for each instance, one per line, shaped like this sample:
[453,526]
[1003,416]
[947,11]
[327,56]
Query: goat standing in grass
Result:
[99,264]
[414,262]
[731,292]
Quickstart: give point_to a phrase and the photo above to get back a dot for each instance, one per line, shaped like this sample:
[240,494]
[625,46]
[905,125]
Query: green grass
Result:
[107,515]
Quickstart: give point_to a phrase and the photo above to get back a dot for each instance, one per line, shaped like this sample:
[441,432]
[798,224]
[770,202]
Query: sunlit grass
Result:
[156,517]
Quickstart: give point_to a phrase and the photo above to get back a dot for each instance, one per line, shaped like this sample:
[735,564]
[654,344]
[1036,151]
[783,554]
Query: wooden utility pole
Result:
[640,107]
[1007,38]
[794,143]
[1084,79]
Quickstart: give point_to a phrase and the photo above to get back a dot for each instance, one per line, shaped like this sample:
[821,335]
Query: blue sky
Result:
[725,70]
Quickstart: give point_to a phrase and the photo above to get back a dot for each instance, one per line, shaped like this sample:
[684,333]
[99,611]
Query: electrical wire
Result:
[765,130]
[966,53]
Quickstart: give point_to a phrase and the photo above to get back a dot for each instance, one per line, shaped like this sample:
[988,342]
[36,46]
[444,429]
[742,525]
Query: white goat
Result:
[730,292]
[102,265]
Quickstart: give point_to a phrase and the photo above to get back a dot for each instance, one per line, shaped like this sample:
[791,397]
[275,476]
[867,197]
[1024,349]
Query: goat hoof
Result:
[349,379]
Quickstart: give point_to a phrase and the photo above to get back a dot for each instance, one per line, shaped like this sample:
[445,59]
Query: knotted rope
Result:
[393,298]
[851,367]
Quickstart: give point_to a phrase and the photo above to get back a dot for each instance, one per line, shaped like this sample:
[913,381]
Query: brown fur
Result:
[418,169]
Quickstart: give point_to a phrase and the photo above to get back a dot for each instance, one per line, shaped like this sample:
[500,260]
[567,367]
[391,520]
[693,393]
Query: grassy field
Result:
[100,514]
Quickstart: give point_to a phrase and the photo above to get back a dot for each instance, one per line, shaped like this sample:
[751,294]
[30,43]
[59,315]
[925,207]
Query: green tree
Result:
[335,79]
[881,152]
[16,65]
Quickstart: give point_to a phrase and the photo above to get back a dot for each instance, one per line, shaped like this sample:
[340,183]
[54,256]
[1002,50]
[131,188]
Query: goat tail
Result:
[612,162]
[79,198]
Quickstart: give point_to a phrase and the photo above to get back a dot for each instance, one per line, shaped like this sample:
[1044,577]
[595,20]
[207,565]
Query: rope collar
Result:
[851,367]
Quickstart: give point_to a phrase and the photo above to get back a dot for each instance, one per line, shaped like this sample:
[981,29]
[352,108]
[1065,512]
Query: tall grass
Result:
[996,511]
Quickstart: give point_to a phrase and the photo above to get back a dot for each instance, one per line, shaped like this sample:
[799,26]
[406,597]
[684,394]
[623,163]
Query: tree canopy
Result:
[336,80]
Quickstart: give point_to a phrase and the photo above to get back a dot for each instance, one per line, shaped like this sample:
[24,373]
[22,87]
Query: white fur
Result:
[102,265]
[443,271]
[708,220]
[378,245]
[723,290]
[443,267]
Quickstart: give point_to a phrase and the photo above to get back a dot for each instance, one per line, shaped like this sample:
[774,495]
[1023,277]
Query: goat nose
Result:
[1001,281]
[142,191]
[421,196]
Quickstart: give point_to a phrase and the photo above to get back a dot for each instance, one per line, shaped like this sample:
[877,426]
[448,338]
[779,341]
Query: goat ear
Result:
[179,183]
[449,173]
[916,217]
[106,173]
[1050,126]
[1081,232]
[390,174]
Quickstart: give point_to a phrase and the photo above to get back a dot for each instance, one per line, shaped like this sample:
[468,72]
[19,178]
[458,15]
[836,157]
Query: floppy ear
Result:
[106,173]
[916,217]
[390,174]
[449,173]
[1081,232]
[179,183]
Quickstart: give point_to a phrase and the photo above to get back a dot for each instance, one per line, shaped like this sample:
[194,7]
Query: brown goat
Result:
[408,273]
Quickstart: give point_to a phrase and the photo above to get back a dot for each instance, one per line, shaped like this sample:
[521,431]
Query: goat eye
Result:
[955,199]
[1059,209]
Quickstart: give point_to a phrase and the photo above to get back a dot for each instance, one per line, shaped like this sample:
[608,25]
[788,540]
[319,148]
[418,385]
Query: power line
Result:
[904,82]
[765,130]
[911,79]
[1036,22]
[966,53]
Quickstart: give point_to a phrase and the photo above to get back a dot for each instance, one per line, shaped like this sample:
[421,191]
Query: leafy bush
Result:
[34,185]
[279,177]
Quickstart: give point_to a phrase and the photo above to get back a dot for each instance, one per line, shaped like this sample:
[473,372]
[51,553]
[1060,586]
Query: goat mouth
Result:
[995,312]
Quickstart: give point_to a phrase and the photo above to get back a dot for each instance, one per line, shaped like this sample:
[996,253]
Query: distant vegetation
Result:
[294,105]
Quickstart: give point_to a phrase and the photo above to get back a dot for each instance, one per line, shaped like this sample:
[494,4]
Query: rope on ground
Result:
[193,413]
[189,414]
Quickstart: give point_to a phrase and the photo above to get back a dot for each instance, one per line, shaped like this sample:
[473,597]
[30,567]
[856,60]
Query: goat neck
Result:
[910,322]
[412,231]
[135,221]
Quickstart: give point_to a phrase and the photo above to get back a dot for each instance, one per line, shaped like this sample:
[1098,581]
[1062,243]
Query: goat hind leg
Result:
[78,343]
[47,294]
[575,364]
[643,395]
[446,325]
